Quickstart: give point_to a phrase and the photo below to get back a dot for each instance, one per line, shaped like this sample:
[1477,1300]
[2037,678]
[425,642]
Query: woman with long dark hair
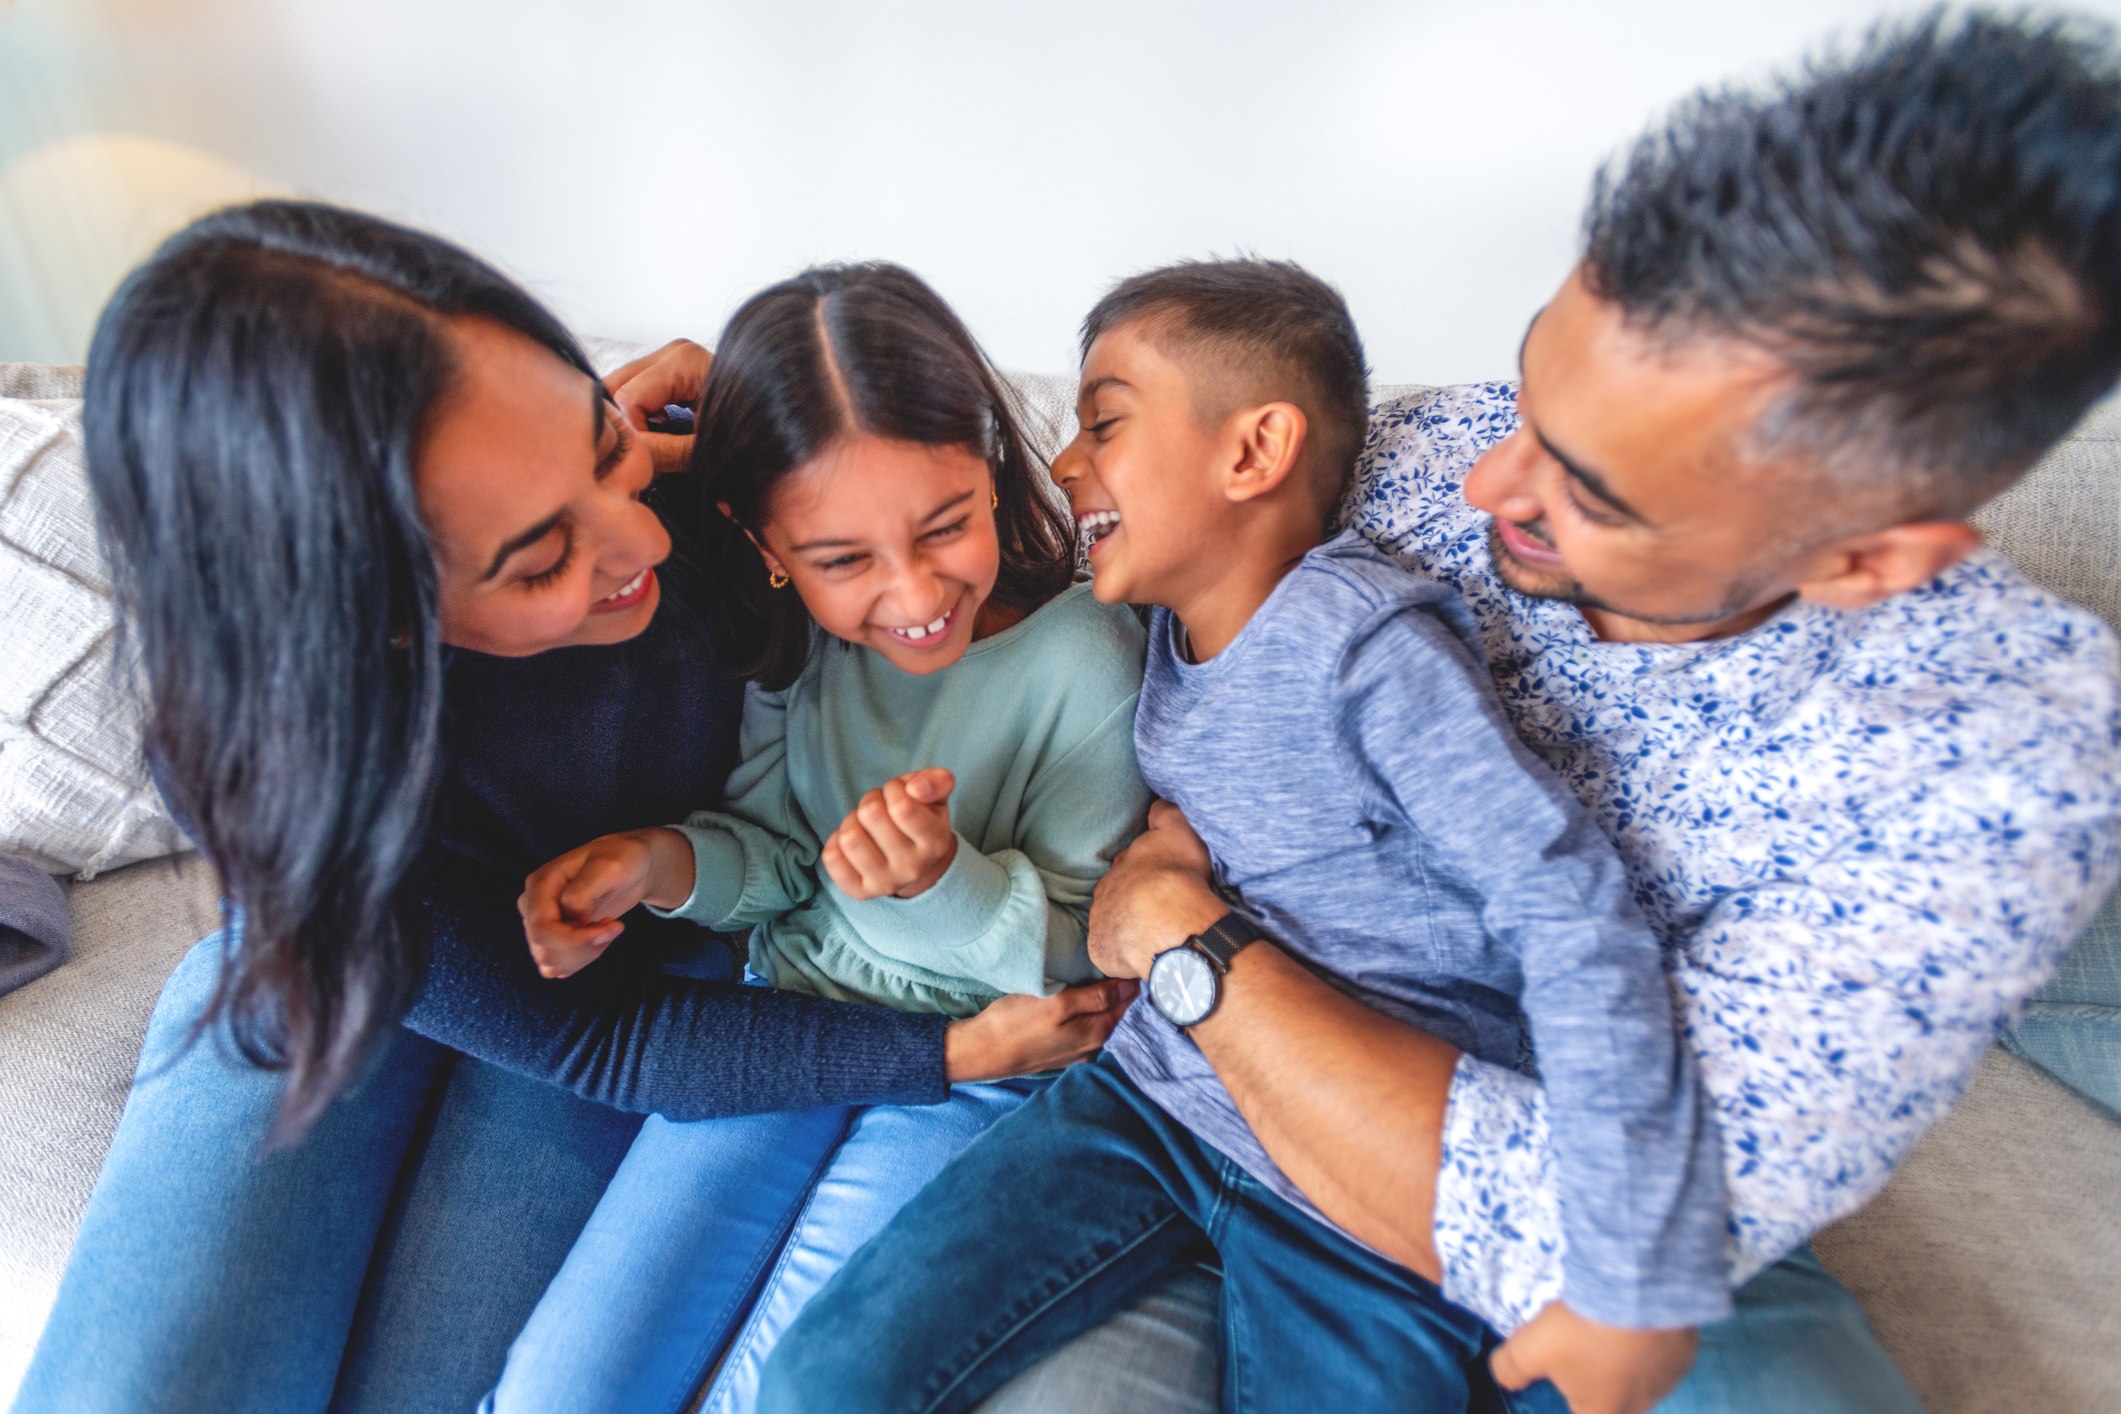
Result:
[412,620]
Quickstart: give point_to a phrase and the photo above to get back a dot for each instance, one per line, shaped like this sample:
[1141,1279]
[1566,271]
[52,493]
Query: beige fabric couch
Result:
[1988,1266]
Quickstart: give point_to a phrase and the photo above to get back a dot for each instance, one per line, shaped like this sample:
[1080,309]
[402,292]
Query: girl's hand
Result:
[571,906]
[1024,1035]
[896,840]
[674,373]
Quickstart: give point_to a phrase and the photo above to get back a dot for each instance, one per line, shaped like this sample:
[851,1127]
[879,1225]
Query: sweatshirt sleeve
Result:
[1639,1179]
[756,857]
[626,1035]
[1081,808]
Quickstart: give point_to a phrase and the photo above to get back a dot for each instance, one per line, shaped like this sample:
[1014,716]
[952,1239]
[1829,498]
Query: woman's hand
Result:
[571,906]
[897,840]
[674,373]
[1024,1035]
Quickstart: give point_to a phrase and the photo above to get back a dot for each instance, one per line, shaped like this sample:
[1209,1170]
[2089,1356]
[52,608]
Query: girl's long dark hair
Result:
[255,395]
[840,351]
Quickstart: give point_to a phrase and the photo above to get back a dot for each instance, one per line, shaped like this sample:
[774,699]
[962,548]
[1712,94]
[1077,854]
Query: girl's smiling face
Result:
[892,545]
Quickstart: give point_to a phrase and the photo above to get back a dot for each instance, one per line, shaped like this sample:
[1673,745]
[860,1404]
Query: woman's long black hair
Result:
[255,396]
[841,351]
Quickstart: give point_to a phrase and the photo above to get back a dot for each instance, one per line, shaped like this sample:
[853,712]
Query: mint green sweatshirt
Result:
[1037,723]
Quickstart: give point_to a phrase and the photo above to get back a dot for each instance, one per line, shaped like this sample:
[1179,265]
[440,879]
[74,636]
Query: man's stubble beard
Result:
[1569,591]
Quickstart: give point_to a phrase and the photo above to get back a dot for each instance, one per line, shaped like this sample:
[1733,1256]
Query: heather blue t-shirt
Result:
[1368,804]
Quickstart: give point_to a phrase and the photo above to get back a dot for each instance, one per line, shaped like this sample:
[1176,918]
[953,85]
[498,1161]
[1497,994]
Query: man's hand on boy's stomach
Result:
[1599,1369]
[1155,896]
[897,840]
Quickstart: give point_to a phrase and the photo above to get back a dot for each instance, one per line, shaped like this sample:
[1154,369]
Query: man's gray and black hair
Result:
[1927,232]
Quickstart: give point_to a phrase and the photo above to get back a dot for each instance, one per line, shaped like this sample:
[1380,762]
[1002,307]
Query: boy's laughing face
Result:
[1139,474]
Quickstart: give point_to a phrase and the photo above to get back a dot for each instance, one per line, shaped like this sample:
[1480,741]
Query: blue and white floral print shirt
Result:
[1864,839]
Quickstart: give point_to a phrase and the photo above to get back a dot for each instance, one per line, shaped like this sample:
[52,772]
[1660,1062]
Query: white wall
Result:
[644,164]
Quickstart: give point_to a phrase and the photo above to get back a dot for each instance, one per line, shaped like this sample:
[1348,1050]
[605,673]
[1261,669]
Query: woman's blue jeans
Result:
[383,1264]
[386,1264]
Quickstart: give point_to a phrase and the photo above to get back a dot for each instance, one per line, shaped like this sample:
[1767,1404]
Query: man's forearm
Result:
[1347,1101]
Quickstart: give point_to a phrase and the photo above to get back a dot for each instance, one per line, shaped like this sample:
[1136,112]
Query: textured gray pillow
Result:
[74,796]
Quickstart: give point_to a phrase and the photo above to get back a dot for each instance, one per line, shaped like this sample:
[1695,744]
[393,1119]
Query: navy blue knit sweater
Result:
[545,753]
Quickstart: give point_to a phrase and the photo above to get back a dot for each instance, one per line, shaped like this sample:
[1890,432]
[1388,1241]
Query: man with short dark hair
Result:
[1866,779]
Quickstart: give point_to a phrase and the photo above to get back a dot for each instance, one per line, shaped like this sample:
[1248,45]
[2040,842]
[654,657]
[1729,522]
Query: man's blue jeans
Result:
[1070,1208]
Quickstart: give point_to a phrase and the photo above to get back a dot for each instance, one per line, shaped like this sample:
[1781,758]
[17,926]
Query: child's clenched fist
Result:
[897,840]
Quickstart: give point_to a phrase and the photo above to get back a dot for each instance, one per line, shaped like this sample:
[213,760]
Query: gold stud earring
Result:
[775,579]
[994,499]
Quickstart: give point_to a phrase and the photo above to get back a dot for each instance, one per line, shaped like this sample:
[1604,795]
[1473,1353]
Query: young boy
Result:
[1326,723]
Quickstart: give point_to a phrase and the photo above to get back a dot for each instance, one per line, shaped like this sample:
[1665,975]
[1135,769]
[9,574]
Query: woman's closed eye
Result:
[621,446]
[552,573]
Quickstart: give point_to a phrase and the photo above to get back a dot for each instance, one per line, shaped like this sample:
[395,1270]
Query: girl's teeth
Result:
[925,631]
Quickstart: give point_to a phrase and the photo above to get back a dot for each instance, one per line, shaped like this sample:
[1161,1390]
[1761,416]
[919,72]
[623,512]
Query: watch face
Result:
[1182,986]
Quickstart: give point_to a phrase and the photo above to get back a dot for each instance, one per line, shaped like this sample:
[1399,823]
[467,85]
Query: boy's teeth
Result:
[1096,525]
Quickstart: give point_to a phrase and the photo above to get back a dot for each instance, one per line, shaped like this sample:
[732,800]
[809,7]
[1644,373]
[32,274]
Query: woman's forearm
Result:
[1347,1101]
[623,1034]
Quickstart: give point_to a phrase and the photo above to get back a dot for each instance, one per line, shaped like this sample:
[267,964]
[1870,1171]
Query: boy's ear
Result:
[1270,440]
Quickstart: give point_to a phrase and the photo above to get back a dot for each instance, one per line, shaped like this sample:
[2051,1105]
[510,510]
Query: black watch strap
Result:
[1222,939]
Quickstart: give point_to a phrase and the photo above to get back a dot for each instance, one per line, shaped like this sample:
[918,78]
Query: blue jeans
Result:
[383,1264]
[1084,1200]
[680,1248]
[1797,1344]
[386,1263]
[1090,1194]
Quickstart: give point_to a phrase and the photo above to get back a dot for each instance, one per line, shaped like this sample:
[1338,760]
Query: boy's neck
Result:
[1215,611]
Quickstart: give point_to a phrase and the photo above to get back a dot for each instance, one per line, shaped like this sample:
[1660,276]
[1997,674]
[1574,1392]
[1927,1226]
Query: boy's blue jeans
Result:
[1089,1194]
[1085,1198]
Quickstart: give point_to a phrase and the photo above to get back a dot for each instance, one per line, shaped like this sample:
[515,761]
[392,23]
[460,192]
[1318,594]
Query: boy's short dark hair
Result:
[1255,331]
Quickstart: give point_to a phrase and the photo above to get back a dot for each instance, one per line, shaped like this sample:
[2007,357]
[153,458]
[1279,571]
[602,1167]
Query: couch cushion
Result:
[2059,523]
[1987,1265]
[68,1044]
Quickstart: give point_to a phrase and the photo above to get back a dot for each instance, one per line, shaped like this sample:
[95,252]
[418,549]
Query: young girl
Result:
[937,747]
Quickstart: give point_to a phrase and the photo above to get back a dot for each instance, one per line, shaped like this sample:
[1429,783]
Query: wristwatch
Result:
[1186,982]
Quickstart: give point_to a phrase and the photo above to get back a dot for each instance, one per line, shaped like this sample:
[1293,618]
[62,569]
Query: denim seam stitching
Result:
[959,1378]
[757,1289]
